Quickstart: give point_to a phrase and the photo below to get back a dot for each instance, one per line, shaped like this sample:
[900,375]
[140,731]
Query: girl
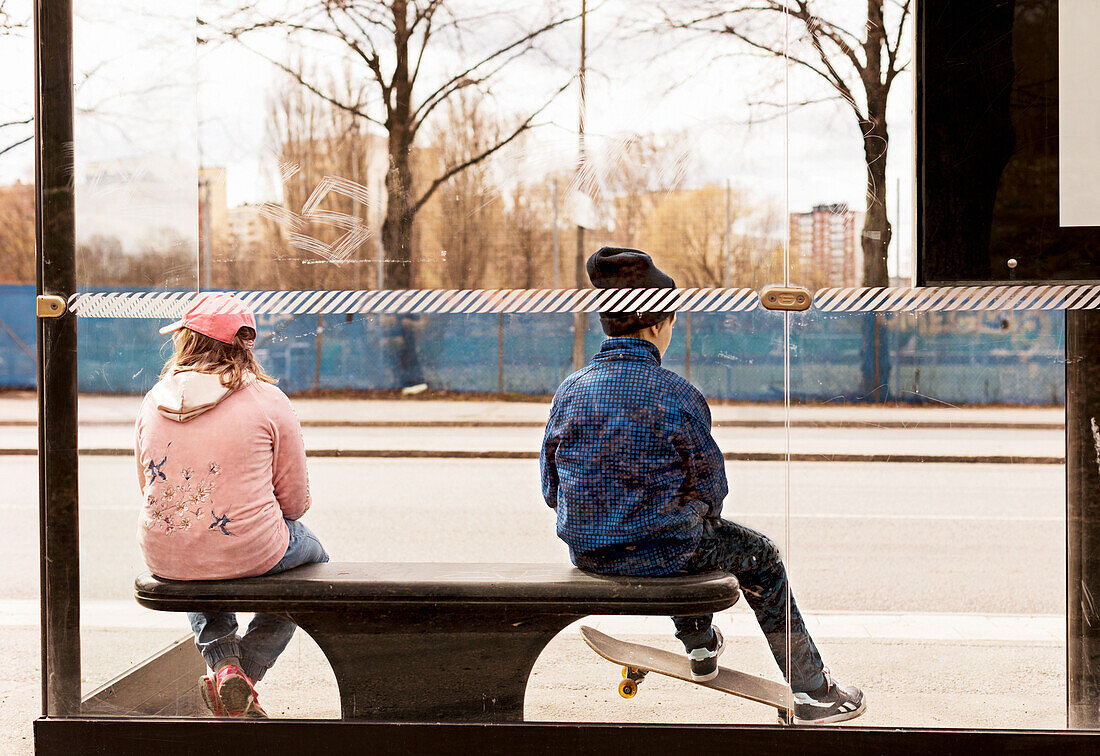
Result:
[223,475]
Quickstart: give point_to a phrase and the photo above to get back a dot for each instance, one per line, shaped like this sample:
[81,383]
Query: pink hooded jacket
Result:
[219,471]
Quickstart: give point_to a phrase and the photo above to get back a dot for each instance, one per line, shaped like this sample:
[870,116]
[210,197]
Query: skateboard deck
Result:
[637,658]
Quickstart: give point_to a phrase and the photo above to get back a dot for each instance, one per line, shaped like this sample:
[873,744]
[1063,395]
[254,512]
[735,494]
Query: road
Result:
[938,587]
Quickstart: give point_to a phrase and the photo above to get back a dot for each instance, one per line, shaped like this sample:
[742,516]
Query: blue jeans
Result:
[754,560]
[267,634]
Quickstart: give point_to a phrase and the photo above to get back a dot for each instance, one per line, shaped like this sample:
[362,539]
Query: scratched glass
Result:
[927,516]
[410,273]
[137,220]
[926,524]
[387,264]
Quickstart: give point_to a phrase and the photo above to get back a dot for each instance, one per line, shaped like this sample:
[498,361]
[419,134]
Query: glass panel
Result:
[928,527]
[927,495]
[258,161]
[136,217]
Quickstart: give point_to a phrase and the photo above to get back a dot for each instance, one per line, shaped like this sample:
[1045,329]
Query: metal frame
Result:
[63,730]
[120,737]
[55,236]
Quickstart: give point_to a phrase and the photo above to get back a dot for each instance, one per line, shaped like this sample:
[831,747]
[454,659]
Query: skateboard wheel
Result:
[633,673]
[628,689]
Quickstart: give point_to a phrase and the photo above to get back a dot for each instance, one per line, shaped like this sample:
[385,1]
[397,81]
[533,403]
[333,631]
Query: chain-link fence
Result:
[965,358]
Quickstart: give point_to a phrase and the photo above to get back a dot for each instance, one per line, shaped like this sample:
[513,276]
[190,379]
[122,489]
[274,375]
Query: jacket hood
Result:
[185,395]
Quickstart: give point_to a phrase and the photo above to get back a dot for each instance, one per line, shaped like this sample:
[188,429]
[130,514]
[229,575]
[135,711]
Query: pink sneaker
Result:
[254,711]
[236,694]
[209,691]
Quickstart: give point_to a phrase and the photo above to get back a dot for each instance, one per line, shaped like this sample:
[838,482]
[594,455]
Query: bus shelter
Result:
[904,390]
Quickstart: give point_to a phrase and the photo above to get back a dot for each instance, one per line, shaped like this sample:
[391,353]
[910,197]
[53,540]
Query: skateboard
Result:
[639,660]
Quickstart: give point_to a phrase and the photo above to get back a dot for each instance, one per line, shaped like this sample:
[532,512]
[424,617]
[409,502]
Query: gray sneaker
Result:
[835,704]
[704,660]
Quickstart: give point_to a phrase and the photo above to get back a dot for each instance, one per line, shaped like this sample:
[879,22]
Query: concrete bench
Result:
[437,641]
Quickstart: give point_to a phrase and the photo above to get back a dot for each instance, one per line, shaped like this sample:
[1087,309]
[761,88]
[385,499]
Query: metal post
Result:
[580,319]
[728,244]
[897,234]
[500,354]
[1083,518]
[557,255]
[380,268]
[317,360]
[55,236]
[206,240]
[687,346]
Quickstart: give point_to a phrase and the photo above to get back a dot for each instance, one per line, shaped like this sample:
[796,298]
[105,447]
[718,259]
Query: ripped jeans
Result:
[754,560]
[268,634]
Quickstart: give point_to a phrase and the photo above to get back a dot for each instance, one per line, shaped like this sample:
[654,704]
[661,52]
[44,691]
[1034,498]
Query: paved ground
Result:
[940,588]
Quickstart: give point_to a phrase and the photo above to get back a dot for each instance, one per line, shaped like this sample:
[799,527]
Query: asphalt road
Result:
[918,442]
[930,547]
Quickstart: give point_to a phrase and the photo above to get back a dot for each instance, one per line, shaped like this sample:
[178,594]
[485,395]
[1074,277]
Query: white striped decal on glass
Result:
[160,304]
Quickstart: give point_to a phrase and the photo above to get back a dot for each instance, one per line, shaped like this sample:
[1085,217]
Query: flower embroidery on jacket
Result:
[177,503]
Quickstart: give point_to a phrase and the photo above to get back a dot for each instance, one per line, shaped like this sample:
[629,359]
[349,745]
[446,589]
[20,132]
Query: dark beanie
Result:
[620,268]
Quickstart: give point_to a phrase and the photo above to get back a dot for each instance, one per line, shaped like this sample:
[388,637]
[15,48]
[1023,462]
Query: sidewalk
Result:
[513,430]
[95,409]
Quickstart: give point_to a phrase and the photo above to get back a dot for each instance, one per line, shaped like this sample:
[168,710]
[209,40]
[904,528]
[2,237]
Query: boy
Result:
[629,464]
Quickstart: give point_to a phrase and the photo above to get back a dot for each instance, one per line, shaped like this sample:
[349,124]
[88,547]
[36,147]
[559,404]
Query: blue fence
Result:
[972,358]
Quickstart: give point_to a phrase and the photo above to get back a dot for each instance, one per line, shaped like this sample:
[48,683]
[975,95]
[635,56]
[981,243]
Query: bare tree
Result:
[860,65]
[687,228]
[467,219]
[164,259]
[643,168]
[12,132]
[529,224]
[17,234]
[313,140]
[400,46]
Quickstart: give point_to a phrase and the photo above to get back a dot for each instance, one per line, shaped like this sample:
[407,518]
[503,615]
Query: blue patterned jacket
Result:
[629,463]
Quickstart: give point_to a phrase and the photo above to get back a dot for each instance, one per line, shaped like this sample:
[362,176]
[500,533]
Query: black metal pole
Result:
[580,319]
[317,356]
[55,236]
[687,346]
[1083,518]
[500,354]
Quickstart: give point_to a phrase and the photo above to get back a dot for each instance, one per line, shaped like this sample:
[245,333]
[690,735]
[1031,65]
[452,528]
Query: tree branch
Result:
[893,68]
[24,122]
[298,77]
[485,153]
[13,145]
[422,114]
[442,92]
[429,17]
[783,107]
[373,60]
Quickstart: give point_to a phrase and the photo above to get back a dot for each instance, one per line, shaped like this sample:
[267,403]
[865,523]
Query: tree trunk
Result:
[875,242]
[398,226]
[877,231]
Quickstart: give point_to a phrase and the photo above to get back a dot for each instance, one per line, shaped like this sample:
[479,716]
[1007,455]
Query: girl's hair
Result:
[231,362]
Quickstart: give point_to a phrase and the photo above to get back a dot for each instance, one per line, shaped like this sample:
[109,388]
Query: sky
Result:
[147,94]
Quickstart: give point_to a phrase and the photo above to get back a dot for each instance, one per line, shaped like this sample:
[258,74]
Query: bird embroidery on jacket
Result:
[154,468]
[220,521]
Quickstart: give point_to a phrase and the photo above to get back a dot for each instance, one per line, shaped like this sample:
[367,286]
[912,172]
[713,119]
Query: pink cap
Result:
[218,316]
